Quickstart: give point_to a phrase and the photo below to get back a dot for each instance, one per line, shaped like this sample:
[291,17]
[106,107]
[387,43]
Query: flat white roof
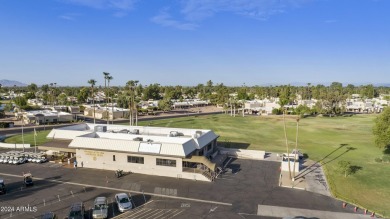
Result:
[152,140]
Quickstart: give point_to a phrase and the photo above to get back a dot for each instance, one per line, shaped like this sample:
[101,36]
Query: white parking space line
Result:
[149,214]
[164,213]
[131,191]
[154,215]
[179,212]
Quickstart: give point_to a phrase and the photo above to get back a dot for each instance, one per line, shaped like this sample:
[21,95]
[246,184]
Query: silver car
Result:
[100,209]
[124,202]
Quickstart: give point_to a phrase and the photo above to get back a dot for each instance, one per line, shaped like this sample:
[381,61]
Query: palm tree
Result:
[285,136]
[109,78]
[92,82]
[106,75]
[131,85]
[296,148]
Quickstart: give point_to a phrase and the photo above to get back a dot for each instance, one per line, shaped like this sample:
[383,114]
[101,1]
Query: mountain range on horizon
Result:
[11,83]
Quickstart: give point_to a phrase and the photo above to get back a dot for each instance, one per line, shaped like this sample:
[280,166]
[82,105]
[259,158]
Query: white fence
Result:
[241,153]
[5,145]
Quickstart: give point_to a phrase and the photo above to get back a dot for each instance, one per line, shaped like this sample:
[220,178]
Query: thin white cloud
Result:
[65,17]
[69,16]
[196,10]
[120,6]
[165,19]
[192,12]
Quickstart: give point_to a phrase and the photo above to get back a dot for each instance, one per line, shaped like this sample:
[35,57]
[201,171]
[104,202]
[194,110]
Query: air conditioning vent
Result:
[138,139]
[134,131]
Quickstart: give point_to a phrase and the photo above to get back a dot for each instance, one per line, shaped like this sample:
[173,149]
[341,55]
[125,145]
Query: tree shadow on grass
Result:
[387,150]
[355,168]
[316,166]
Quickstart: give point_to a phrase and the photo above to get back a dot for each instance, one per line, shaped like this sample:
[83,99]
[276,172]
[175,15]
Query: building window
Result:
[165,162]
[132,159]
[113,158]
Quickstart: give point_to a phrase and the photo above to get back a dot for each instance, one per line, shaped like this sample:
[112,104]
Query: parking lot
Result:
[236,194]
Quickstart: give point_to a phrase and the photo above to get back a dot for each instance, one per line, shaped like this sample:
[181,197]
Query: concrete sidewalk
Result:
[276,211]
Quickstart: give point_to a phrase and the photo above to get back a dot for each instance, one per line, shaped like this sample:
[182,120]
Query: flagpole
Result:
[35,140]
[23,133]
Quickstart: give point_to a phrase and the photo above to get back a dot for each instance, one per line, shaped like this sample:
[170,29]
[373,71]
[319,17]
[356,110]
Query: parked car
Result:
[123,202]
[49,215]
[3,190]
[100,209]
[22,160]
[77,211]
[42,160]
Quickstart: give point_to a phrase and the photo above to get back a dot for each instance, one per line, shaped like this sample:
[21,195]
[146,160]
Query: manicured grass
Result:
[29,138]
[323,139]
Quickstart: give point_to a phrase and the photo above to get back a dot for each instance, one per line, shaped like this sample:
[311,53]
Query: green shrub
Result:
[378,160]
[386,158]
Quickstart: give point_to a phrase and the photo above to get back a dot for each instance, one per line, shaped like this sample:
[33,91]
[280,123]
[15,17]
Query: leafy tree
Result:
[29,95]
[165,104]
[32,88]
[123,101]
[189,92]
[242,94]
[82,95]
[381,129]
[334,98]
[345,167]
[20,101]
[152,92]
[301,110]
[62,98]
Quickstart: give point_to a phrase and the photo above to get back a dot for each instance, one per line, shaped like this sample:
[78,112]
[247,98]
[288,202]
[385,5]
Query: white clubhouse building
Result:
[172,152]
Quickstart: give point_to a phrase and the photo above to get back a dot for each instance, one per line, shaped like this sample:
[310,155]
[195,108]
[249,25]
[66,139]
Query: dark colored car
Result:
[77,211]
[3,190]
[49,215]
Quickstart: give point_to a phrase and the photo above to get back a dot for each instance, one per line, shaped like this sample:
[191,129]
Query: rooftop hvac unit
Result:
[198,134]
[138,139]
[125,131]
[134,131]
[100,128]
[174,134]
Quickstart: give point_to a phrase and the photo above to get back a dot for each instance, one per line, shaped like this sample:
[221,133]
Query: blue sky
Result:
[186,42]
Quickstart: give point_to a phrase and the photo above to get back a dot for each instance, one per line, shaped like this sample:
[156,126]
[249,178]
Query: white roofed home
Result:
[45,117]
[172,152]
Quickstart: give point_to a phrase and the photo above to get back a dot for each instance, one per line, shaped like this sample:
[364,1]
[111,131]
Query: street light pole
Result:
[23,133]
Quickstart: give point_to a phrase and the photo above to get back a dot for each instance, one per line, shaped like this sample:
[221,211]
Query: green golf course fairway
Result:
[323,139]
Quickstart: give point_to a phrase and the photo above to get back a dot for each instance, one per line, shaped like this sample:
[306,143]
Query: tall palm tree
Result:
[92,82]
[285,136]
[296,148]
[131,85]
[52,95]
[109,78]
[106,75]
